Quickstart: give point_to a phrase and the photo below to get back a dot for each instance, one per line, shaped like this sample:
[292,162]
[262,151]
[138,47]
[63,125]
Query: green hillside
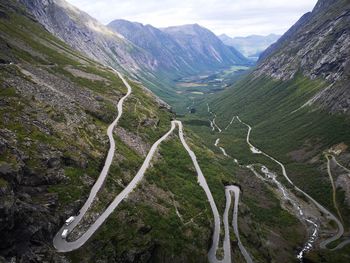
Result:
[56,105]
[283,127]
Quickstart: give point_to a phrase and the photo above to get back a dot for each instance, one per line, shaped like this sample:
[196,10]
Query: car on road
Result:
[64,233]
[70,220]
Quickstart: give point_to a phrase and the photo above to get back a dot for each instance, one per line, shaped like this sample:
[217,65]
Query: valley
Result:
[131,143]
[211,82]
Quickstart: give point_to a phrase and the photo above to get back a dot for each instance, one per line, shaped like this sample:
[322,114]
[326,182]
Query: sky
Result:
[232,17]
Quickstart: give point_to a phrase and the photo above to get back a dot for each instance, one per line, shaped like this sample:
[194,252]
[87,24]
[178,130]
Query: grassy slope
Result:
[83,146]
[113,240]
[268,106]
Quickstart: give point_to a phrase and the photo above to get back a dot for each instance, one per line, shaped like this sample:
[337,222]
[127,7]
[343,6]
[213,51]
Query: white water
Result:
[308,246]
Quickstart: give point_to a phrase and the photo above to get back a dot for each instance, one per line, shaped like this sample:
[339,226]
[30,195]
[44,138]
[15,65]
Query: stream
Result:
[287,196]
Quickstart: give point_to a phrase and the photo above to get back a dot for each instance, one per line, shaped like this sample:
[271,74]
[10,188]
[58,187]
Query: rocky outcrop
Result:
[318,46]
[20,185]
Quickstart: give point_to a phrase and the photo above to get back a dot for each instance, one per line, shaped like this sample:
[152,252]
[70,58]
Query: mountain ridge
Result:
[159,70]
[204,41]
[171,51]
[87,35]
[317,46]
[101,43]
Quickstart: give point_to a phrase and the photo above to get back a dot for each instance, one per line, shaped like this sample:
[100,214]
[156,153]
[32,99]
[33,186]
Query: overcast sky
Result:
[233,17]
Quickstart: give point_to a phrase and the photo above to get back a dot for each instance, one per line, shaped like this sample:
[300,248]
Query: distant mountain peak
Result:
[186,48]
[250,46]
[189,28]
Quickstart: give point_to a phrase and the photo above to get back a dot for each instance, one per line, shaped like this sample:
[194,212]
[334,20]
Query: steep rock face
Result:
[318,46]
[203,47]
[87,35]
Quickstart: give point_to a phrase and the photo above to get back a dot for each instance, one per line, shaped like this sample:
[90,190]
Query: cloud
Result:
[233,17]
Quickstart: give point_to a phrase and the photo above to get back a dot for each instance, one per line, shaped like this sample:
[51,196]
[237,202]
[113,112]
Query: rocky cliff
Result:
[167,52]
[317,46]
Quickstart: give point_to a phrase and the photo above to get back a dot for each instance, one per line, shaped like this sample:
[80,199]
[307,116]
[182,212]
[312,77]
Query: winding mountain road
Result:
[308,246]
[213,122]
[62,245]
[327,214]
[334,195]
[236,191]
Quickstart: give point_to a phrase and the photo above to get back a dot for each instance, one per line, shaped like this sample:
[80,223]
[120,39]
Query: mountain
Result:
[167,52]
[86,34]
[318,47]
[56,105]
[149,56]
[203,47]
[250,46]
[297,101]
[171,47]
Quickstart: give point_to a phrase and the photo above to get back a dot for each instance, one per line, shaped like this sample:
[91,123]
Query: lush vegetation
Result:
[282,127]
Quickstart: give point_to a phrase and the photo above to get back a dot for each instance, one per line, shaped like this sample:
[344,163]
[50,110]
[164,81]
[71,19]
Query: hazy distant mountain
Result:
[135,47]
[204,46]
[186,48]
[250,46]
[146,53]
[166,51]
